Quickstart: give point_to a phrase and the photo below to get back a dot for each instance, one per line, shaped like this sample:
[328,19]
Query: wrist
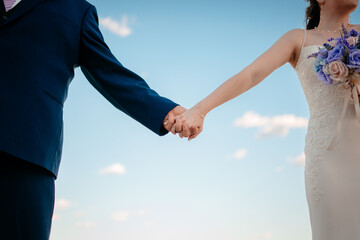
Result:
[201,111]
[198,112]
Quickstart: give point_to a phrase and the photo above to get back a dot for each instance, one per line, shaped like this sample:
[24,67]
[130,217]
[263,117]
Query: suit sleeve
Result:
[124,89]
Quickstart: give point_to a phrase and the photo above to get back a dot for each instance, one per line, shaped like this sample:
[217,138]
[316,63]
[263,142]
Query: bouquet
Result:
[338,62]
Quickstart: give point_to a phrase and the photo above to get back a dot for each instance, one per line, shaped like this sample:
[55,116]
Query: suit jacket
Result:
[41,43]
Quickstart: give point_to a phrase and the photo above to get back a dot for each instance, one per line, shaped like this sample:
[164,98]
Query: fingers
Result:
[182,132]
[178,125]
[193,130]
[185,131]
[195,134]
[181,127]
[172,130]
[187,124]
[169,121]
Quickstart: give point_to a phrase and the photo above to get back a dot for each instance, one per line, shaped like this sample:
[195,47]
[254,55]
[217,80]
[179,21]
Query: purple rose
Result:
[353,33]
[321,57]
[354,60]
[324,77]
[339,40]
[323,54]
[336,53]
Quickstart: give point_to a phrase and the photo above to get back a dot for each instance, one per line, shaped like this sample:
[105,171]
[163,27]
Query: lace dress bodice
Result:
[325,103]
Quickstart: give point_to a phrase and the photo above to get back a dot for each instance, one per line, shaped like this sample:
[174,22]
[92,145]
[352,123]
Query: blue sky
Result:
[118,180]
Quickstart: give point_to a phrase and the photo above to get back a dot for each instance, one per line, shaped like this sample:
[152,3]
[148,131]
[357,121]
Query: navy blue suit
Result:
[41,42]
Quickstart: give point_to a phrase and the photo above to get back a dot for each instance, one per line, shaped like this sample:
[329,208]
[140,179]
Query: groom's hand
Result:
[169,120]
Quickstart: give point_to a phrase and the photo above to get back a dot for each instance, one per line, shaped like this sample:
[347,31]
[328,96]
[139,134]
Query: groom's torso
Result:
[39,48]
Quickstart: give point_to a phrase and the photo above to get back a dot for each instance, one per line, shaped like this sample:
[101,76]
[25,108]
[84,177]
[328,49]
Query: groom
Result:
[41,42]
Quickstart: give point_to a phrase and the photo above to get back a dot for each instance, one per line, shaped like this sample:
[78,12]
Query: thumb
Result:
[169,121]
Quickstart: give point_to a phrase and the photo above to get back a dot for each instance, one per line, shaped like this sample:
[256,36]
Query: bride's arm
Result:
[283,51]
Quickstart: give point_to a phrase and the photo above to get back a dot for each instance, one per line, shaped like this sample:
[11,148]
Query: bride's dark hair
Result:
[312,14]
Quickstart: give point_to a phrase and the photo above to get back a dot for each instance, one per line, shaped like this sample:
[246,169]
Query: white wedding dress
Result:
[332,177]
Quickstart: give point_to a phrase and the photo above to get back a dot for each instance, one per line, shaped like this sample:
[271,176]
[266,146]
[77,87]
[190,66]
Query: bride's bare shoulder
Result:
[294,36]
[356,27]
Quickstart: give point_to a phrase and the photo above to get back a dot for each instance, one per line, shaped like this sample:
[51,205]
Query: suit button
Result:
[5,17]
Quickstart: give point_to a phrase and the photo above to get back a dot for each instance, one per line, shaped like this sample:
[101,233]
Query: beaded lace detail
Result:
[325,104]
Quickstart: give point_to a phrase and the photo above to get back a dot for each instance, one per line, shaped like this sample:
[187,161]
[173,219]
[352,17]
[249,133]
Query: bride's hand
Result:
[189,124]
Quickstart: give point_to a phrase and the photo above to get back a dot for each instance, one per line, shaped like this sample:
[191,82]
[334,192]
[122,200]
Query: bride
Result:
[332,177]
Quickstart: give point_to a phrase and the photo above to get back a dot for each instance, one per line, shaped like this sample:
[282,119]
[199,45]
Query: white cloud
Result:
[116,169]
[266,235]
[271,126]
[121,216]
[86,224]
[56,216]
[240,154]
[143,212]
[121,28]
[62,204]
[300,160]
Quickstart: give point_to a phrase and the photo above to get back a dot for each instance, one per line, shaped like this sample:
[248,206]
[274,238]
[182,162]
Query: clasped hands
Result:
[188,123]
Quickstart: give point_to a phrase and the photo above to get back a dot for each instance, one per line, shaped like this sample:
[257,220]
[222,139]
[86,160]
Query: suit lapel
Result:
[24,7]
